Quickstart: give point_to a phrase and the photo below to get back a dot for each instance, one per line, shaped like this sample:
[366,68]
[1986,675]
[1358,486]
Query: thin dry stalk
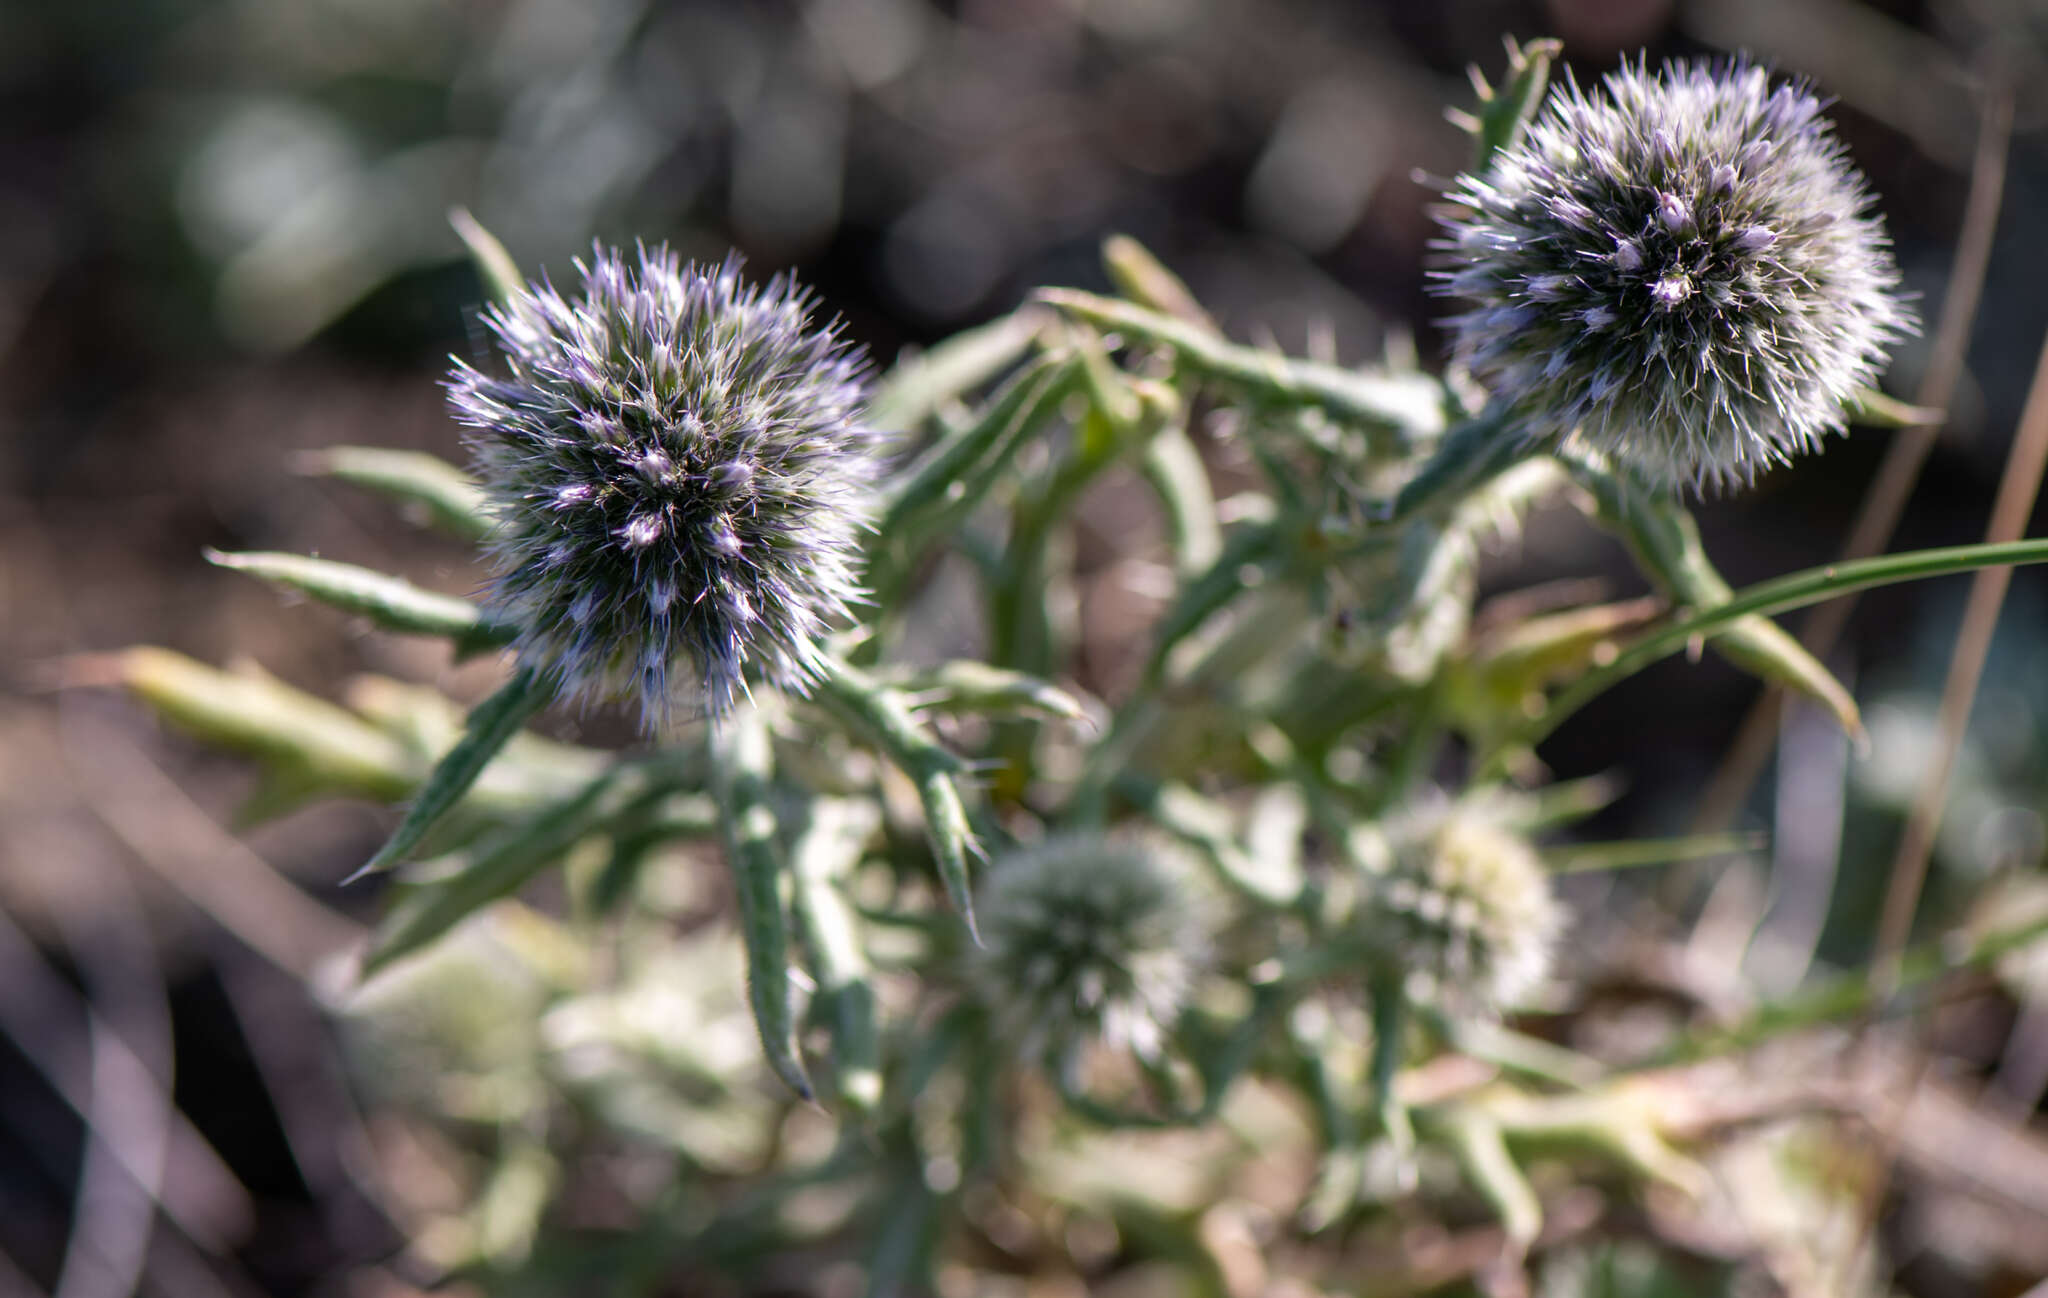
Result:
[1893,486]
[2017,491]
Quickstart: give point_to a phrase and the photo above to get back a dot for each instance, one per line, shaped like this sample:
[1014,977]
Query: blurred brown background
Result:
[223,243]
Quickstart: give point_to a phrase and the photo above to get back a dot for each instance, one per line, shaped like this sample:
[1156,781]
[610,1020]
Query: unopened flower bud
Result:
[1755,238]
[1087,939]
[1675,212]
[1462,911]
[1670,291]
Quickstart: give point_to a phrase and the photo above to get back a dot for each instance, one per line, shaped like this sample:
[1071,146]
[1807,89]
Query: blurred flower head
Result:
[1085,939]
[678,466]
[1679,265]
[1461,910]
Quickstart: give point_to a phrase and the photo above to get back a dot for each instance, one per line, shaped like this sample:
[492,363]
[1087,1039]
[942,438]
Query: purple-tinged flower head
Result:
[1459,908]
[1087,939]
[678,466]
[1680,266]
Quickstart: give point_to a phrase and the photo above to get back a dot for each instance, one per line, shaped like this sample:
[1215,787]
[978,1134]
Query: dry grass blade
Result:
[15,1282]
[128,1116]
[174,837]
[201,1196]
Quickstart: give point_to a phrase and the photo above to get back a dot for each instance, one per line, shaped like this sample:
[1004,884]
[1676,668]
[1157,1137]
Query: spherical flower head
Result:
[1087,939]
[1461,911]
[1680,266]
[678,468]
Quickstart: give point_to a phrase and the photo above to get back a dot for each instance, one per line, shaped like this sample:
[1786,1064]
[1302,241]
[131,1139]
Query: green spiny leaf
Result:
[1504,114]
[494,266]
[965,687]
[491,725]
[1470,454]
[248,712]
[450,498]
[502,864]
[1483,1151]
[917,388]
[1874,409]
[930,485]
[1409,405]
[392,603]
[743,757]
[824,854]
[1145,280]
[1178,477]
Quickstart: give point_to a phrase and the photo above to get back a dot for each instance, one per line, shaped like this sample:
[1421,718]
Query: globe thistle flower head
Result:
[1680,266]
[1086,938]
[678,466]
[1461,910]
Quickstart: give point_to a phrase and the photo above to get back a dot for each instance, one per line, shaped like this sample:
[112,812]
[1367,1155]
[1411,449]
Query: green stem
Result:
[1219,1067]
[1416,755]
[1470,455]
[1181,481]
[884,719]
[958,475]
[1410,407]
[1780,595]
[1389,1023]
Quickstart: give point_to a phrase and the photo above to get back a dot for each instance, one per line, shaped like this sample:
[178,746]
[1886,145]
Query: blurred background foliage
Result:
[223,244]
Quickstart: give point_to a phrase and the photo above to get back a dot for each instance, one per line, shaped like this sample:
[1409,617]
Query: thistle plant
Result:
[1087,940]
[690,502]
[676,472]
[1458,910]
[1679,268]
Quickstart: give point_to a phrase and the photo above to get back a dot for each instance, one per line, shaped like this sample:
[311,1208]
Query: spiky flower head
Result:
[1459,908]
[1087,938]
[678,465]
[1679,265]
